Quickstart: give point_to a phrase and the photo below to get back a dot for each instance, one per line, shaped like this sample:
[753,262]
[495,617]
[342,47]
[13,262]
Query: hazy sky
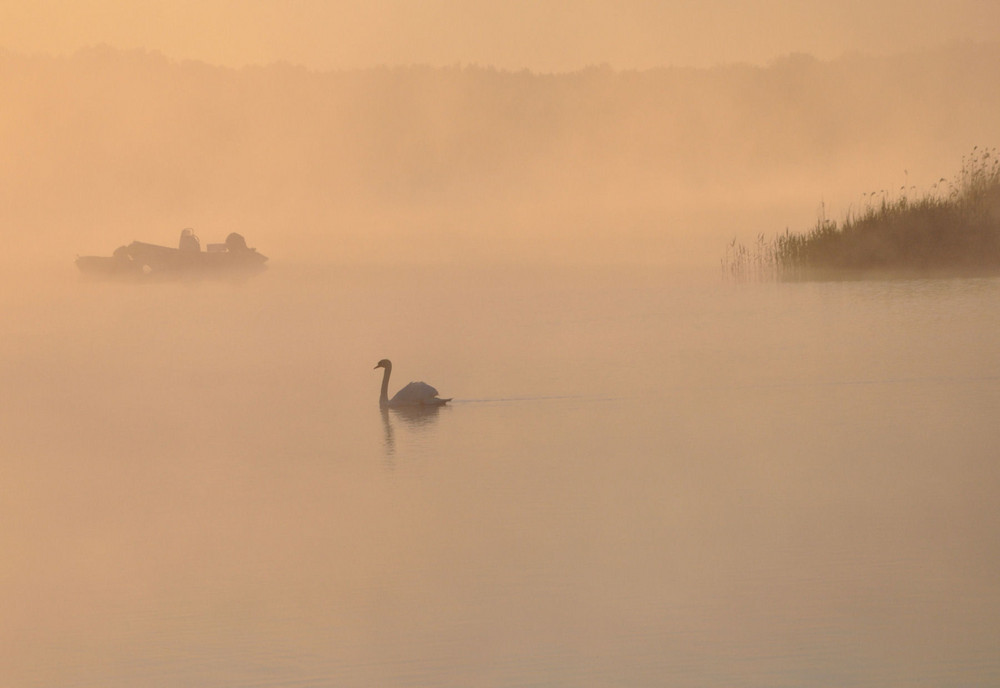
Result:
[542,35]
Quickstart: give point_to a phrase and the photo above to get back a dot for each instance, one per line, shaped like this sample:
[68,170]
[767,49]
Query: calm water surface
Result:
[643,480]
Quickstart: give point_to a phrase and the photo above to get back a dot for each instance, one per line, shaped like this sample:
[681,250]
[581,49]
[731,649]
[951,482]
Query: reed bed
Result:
[954,228]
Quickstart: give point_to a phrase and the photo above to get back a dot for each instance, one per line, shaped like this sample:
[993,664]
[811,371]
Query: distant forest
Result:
[102,143]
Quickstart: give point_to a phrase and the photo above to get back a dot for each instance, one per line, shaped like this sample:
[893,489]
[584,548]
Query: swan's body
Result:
[414,394]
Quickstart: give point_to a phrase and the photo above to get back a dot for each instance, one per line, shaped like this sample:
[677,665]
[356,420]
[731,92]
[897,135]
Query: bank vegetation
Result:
[954,228]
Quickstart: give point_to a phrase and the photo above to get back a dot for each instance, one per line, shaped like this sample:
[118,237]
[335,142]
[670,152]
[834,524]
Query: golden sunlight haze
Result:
[555,35]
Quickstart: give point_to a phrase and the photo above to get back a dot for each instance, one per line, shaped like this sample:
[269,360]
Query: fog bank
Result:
[470,164]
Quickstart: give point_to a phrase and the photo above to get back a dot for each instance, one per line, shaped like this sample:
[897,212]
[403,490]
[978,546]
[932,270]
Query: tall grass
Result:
[954,228]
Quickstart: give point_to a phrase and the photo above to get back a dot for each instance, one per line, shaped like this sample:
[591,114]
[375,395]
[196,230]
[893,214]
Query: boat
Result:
[141,260]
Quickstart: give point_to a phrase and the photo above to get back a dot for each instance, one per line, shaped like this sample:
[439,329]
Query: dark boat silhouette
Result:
[141,260]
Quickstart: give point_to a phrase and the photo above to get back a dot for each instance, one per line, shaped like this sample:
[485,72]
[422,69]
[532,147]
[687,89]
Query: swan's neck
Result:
[383,399]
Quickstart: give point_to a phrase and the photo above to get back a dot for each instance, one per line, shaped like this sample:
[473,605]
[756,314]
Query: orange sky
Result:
[541,35]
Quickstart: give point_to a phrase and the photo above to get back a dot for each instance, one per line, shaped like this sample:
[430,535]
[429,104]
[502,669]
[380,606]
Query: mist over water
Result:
[644,479]
[648,475]
[469,164]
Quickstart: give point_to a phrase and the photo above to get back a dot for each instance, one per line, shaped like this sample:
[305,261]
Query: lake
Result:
[644,479]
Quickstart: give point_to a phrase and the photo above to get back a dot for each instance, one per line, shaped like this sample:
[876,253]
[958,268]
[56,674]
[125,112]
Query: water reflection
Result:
[418,418]
[672,487]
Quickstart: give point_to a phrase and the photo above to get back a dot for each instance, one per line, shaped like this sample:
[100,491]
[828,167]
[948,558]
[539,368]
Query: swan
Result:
[414,394]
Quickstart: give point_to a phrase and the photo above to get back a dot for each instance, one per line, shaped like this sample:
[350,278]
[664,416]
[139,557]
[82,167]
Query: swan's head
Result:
[384,363]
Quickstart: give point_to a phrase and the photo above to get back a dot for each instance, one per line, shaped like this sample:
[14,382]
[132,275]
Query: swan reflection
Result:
[415,418]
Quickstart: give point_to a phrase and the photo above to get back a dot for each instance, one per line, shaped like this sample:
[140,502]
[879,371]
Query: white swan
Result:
[414,394]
